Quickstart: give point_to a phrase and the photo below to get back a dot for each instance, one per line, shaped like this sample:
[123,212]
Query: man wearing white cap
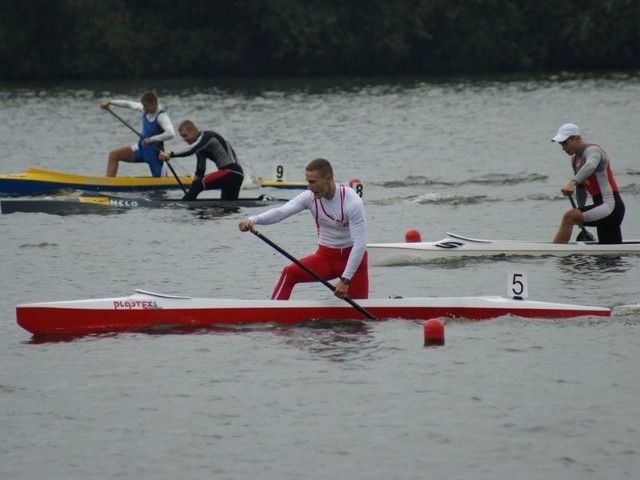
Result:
[593,174]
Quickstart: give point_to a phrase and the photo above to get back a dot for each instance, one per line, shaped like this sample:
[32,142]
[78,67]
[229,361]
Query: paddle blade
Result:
[585,236]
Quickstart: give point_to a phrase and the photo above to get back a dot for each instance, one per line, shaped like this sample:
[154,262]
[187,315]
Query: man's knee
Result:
[295,274]
[290,270]
[573,217]
[122,154]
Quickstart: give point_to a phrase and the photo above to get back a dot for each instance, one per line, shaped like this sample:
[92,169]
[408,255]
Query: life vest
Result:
[591,182]
[149,129]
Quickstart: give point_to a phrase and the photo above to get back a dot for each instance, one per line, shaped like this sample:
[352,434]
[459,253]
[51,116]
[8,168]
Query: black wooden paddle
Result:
[366,313]
[142,138]
[585,235]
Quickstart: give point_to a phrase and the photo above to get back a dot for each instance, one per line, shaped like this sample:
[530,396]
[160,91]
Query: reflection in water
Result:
[594,264]
[201,213]
[577,263]
[454,263]
[67,338]
[334,340]
[590,277]
[159,329]
[213,213]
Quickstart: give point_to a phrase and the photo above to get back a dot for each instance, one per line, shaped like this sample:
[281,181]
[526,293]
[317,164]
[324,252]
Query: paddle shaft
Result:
[142,138]
[584,230]
[366,313]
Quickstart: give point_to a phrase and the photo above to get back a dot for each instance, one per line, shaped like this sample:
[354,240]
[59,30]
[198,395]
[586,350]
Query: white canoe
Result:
[146,310]
[458,246]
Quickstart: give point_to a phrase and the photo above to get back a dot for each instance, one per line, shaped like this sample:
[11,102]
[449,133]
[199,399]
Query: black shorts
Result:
[609,231]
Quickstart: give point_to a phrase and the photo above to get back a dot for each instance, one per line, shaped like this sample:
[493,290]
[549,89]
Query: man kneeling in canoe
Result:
[209,145]
[156,129]
[338,212]
[593,174]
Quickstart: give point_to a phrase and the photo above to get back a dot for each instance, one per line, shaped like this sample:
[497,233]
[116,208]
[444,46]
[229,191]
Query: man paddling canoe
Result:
[209,145]
[593,174]
[156,129]
[340,221]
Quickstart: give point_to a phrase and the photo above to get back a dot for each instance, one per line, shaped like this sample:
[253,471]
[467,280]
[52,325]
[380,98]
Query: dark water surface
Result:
[505,398]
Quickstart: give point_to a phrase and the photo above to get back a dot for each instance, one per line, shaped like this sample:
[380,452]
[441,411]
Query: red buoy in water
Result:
[412,236]
[433,332]
[356,184]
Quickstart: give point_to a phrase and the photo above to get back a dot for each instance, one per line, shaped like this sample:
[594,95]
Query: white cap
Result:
[565,131]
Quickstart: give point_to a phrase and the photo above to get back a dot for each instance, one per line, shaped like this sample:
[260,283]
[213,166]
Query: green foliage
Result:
[45,39]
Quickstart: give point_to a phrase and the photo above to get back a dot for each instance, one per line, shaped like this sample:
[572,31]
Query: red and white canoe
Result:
[145,310]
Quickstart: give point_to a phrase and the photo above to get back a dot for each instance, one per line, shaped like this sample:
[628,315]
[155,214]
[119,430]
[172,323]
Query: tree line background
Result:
[120,39]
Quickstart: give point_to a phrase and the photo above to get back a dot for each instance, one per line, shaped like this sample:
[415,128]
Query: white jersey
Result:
[340,221]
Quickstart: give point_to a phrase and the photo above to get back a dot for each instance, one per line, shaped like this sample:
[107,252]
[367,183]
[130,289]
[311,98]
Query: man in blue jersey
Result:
[156,129]
[210,145]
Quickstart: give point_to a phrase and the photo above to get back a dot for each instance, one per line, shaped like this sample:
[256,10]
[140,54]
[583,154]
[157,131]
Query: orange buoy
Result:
[433,332]
[354,181]
[412,236]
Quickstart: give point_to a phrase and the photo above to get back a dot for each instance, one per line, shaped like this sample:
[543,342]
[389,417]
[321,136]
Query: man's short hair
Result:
[320,165]
[149,97]
[187,125]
